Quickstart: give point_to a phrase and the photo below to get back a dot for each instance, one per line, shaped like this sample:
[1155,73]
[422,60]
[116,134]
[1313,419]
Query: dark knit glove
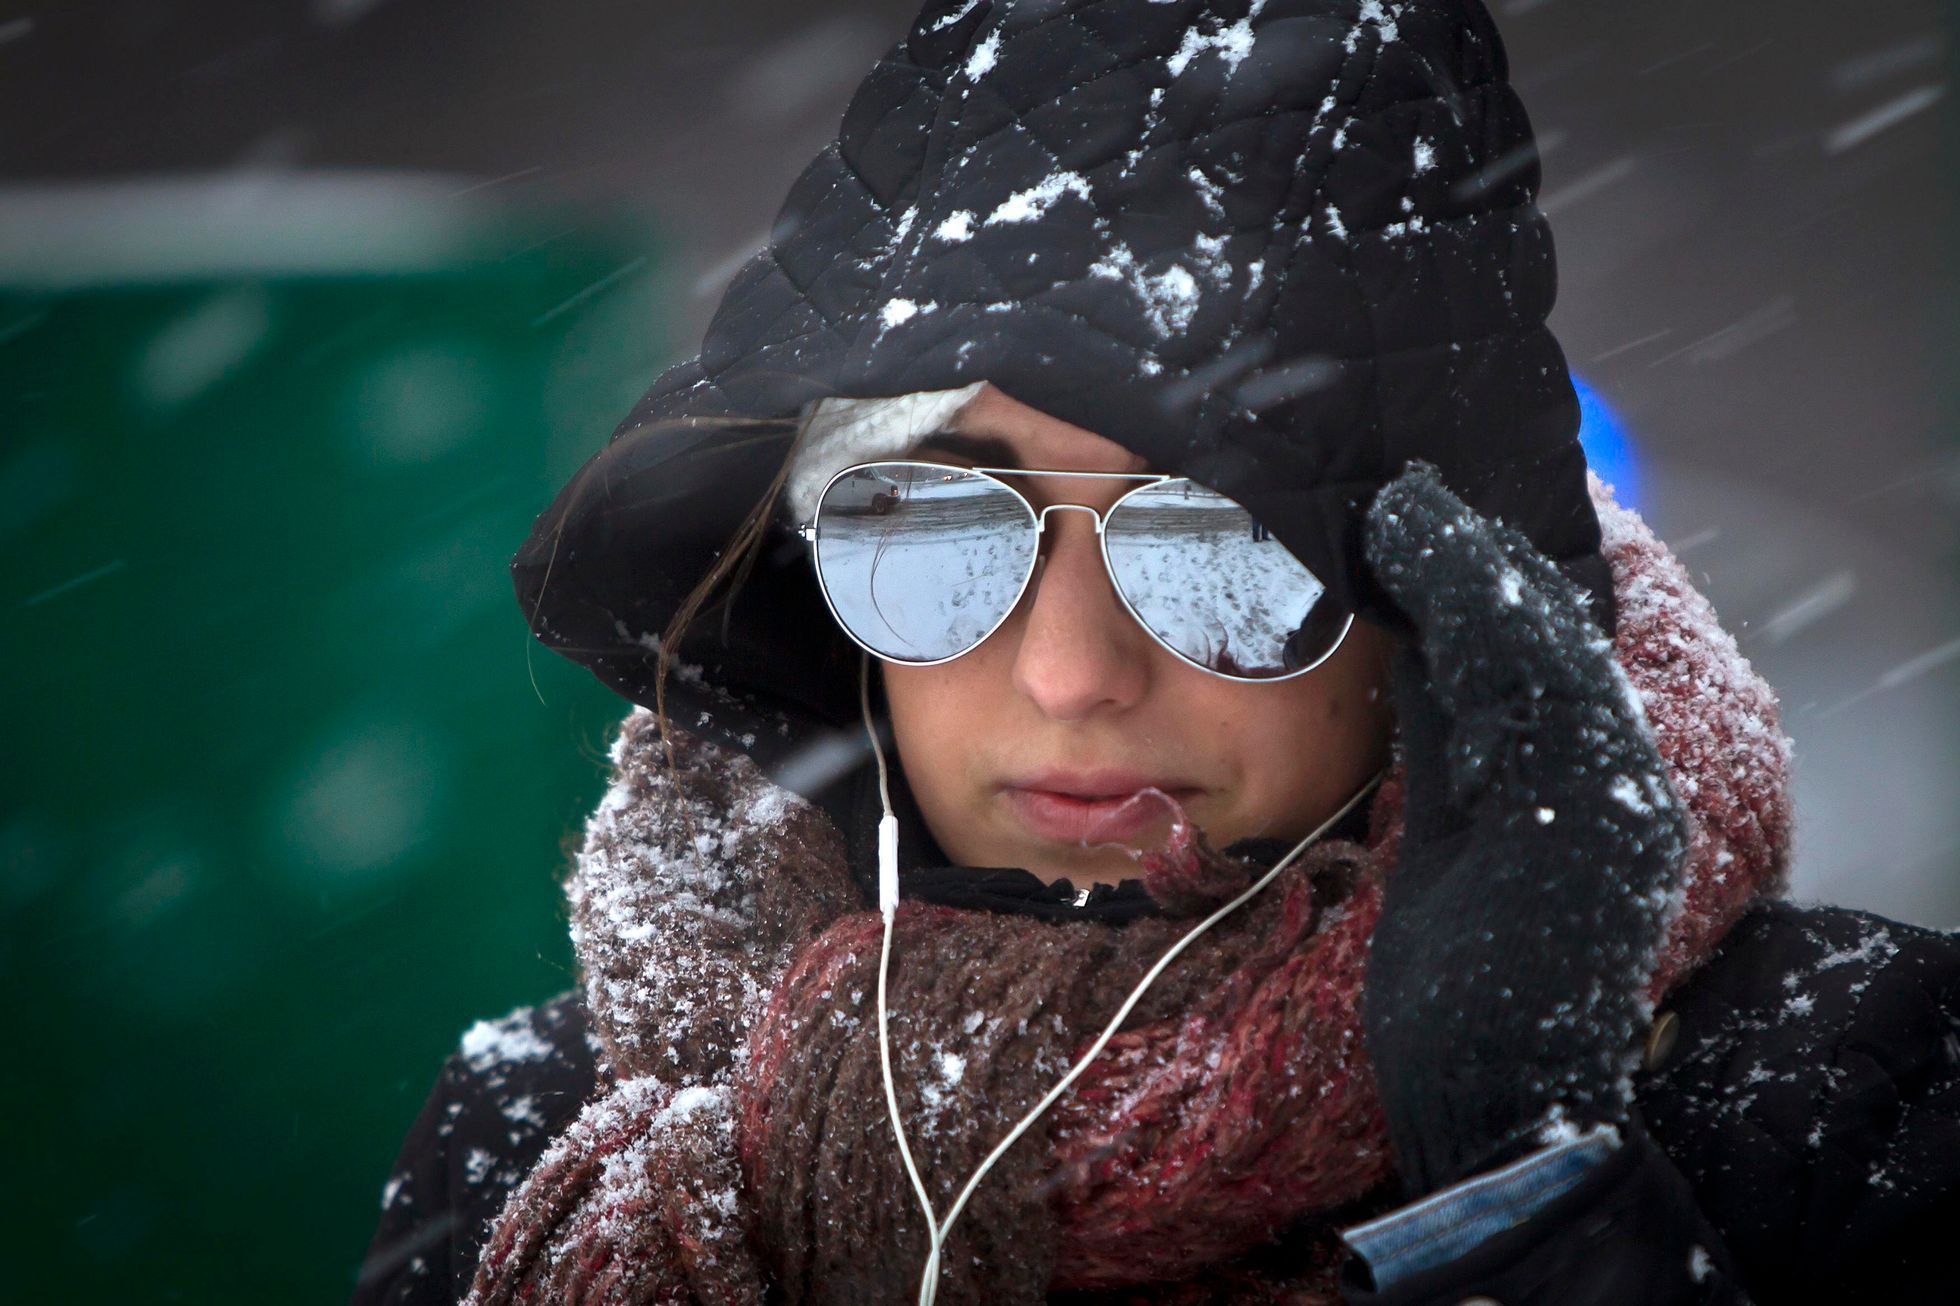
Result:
[1541,849]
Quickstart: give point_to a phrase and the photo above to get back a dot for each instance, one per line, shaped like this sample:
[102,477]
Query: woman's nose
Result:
[1080,651]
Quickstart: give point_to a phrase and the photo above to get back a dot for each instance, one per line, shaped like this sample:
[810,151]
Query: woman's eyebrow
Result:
[978,450]
[973,449]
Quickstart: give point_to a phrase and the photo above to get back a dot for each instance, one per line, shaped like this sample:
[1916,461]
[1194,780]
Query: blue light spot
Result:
[1609,449]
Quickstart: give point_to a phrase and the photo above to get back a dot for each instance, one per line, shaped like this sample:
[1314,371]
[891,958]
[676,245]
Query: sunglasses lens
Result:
[1215,587]
[922,563]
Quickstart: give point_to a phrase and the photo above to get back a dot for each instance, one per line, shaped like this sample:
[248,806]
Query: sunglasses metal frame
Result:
[807,531]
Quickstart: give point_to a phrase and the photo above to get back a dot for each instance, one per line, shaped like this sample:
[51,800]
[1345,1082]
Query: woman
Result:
[1328,852]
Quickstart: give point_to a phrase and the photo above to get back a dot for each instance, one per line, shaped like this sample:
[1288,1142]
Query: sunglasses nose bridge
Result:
[1041,514]
[1101,517]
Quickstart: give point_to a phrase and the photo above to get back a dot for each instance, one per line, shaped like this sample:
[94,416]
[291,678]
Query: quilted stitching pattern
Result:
[1281,246]
[1294,177]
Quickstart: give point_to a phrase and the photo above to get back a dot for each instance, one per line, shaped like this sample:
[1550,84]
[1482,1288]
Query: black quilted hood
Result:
[1279,246]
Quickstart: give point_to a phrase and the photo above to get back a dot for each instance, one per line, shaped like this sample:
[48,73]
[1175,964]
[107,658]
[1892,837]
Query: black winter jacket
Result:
[1802,1106]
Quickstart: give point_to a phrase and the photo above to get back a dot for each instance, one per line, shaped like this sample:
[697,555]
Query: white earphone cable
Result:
[888,908]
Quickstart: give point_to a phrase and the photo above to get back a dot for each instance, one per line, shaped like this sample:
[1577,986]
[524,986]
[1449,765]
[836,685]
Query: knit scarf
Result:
[738,1148]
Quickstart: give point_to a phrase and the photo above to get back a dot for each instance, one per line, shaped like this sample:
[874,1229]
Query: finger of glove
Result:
[1503,633]
[1542,758]
[1430,810]
[1493,616]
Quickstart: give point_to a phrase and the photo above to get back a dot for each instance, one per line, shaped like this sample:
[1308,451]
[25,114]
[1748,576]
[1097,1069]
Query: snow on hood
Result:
[1716,723]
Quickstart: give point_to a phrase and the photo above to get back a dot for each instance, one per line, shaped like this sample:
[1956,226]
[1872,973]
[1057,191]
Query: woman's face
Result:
[1022,751]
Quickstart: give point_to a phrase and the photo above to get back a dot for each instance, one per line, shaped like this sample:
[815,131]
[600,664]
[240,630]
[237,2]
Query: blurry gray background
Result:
[1751,201]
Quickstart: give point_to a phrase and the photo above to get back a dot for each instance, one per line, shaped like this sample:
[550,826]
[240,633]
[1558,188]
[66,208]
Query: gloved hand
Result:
[1542,847]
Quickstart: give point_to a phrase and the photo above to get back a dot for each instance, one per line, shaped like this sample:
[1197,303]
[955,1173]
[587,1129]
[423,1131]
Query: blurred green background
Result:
[289,778]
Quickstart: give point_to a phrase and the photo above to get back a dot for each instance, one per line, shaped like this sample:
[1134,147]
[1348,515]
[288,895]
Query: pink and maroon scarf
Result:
[737,1149]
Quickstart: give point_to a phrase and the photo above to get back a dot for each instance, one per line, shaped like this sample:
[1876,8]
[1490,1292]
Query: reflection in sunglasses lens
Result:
[1214,585]
[922,563]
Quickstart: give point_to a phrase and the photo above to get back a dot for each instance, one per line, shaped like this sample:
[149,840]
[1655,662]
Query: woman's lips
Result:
[1088,811]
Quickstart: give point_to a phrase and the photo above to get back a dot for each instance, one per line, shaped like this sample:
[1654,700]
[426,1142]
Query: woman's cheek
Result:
[933,708]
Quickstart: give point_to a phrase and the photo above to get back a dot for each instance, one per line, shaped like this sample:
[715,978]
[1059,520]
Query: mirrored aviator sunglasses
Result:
[920,562]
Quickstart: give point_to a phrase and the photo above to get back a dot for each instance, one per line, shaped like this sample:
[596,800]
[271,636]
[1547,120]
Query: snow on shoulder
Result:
[1715,723]
[508,1038]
